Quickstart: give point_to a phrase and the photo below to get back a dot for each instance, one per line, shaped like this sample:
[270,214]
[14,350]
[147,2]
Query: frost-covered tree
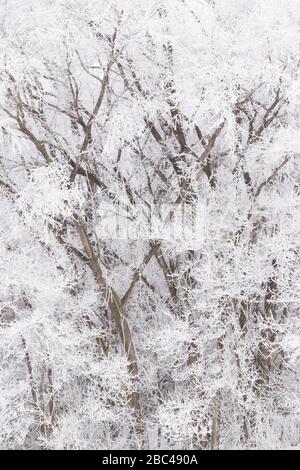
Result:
[149,237]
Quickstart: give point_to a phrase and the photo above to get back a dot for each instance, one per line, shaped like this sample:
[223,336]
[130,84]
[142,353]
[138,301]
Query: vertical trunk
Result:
[122,324]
